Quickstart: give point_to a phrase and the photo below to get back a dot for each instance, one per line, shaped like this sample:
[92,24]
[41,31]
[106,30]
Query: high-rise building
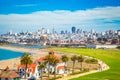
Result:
[66,32]
[92,31]
[78,30]
[53,30]
[10,32]
[43,31]
[48,31]
[62,32]
[118,31]
[73,29]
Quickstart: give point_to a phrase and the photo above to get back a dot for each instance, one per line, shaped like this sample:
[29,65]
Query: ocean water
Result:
[8,54]
[27,46]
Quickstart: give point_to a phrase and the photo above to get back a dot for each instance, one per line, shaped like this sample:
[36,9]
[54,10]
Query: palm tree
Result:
[42,66]
[80,59]
[54,63]
[26,60]
[48,59]
[73,58]
[65,59]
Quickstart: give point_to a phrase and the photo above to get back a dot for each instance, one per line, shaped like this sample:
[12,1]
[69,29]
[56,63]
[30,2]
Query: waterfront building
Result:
[100,46]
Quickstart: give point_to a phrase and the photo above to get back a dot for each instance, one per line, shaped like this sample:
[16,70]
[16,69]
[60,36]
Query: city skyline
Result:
[62,15]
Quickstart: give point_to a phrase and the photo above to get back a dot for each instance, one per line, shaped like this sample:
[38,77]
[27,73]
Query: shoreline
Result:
[10,50]
[37,53]
[14,62]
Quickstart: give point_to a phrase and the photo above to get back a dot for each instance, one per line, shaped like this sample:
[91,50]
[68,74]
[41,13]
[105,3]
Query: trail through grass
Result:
[110,57]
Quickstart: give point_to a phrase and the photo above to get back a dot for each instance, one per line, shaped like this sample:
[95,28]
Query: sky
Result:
[31,15]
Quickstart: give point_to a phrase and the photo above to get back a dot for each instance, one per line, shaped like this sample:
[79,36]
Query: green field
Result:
[110,57]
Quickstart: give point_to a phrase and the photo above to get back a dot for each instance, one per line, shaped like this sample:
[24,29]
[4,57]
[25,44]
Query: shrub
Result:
[118,47]
[55,78]
[91,61]
[84,70]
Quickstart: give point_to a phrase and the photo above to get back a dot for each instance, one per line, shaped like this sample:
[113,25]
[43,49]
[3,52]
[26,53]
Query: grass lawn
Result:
[110,57]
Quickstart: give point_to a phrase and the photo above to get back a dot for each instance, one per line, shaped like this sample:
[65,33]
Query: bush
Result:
[91,61]
[55,78]
[84,70]
[75,73]
[118,47]
[95,68]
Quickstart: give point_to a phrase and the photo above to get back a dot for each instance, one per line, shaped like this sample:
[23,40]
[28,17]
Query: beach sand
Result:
[37,53]
[13,63]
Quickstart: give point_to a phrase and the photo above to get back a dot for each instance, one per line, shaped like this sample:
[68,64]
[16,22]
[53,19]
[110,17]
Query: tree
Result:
[91,61]
[80,60]
[42,66]
[73,58]
[48,59]
[54,63]
[118,47]
[65,60]
[26,60]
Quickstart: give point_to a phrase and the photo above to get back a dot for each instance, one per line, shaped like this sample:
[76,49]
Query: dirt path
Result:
[103,68]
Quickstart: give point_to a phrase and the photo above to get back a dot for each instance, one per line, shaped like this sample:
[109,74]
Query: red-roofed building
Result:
[59,68]
[41,59]
[8,74]
[32,71]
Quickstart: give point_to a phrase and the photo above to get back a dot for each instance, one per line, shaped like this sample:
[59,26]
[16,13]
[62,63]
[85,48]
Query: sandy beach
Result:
[13,63]
[37,53]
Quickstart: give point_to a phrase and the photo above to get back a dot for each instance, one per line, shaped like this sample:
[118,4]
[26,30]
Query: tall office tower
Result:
[92,31]
[62,32]
[81,31]
[10,32]
[53,30]
[78,30]
[73,29]
[118,32]
[43,31]
[48,31]
[66,32]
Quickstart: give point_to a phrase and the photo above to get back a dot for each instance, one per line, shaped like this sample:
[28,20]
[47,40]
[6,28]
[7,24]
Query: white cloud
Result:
[91,17]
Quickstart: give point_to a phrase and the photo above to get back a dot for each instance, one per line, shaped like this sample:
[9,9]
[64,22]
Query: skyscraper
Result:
[10,32]
[53,30]
[73,29]
[78,31]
